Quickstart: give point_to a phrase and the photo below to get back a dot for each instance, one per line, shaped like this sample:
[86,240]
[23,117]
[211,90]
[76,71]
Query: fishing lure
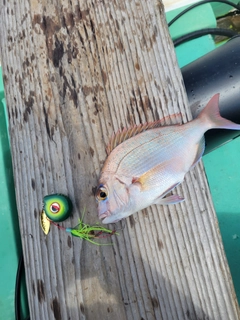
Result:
[89,233]
[57,208]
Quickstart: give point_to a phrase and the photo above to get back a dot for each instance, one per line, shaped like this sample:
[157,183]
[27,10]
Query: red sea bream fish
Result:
[150,160]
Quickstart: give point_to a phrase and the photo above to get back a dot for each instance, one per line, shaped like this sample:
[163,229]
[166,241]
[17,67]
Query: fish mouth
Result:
[106,217]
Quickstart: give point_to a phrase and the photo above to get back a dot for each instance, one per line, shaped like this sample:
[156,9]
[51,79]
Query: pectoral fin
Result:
[173,199]
[152,177]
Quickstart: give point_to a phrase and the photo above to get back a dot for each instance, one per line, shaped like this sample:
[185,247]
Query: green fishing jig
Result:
[57,208]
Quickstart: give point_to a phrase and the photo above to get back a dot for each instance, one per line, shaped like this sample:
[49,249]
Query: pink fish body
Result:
[143,169]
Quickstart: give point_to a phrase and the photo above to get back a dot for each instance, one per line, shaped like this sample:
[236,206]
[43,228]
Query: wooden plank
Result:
[74,72]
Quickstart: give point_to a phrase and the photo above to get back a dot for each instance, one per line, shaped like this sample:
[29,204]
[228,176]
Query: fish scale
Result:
[150,149]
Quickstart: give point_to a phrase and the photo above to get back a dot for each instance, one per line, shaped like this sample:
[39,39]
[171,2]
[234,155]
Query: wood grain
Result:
[74,72]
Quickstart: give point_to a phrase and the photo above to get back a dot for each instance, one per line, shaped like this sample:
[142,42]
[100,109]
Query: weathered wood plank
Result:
[74,72]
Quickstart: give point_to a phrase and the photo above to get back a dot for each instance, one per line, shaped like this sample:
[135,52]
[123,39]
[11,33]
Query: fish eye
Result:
[102,193]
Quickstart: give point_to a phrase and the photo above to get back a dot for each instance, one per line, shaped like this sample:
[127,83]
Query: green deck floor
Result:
[10,244]
[223,172]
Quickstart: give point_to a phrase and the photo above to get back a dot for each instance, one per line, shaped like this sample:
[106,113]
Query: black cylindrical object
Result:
[216,72]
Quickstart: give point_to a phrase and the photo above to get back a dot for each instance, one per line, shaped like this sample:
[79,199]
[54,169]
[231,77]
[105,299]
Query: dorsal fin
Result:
[126,133]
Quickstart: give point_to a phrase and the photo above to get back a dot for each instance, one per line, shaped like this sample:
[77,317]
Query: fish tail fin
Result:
[211,115]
